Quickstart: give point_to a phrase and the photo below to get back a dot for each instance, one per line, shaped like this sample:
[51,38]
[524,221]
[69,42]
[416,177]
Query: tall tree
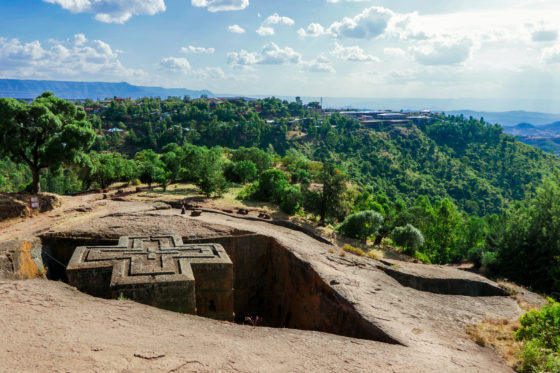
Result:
[150,167]
[44,133]
[332,194]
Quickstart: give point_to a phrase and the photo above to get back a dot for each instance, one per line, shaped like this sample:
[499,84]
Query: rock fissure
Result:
[447,286]
[271,285]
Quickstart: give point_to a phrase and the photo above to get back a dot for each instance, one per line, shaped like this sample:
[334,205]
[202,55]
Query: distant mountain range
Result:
[546,137]
[509,118]
[28,89]
[528,129]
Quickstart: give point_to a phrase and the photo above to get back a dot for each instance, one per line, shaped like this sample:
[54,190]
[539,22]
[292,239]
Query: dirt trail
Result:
[72,209]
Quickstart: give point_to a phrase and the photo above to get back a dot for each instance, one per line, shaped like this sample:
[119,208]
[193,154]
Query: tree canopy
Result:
[44,133]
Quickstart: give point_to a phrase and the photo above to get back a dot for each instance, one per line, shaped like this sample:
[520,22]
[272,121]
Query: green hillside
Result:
[474,164]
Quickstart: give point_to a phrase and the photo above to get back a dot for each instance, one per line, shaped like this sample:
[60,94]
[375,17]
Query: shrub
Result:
[248,192]
[408,237]
[245,171]
[291,200]
[535,359]
[489,259]
[422,258]
[542,325]
[361,225]
[272,183]
[541,331]
[261,159]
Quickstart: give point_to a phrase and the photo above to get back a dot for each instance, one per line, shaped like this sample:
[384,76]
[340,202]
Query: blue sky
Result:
[342,48]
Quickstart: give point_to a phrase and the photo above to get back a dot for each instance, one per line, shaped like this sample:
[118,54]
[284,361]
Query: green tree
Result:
[272,184]
[150,167]
[261,159]
[332,193]
[408,237]
[245,171]
[529,251]
[44,133]
[361,225]
[211,180]
[105,168]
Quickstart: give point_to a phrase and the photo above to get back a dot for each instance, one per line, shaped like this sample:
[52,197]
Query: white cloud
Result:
[77,57]
[221,5]
[409,27]
[271,54]
[552,54]
[242,59]
[394,52]
[443,52]
[319,65]
[348,1]
[545,35]
[353,53]
[236,29]
[208,73]
[197,50]
[179,65]
[277,19]
[313,30]
[174,64]
[79,39]
[265,31]
[112,11]
[370,23]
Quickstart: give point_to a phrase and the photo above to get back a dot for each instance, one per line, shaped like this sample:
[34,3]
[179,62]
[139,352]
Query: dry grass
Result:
[498,334]
[353,250]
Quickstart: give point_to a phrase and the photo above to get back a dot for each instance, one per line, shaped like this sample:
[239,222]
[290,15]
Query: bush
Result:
[422,258]
[245,171]
[489,259]
[361,225]
[408,237]
[261,159]
[542,325]
[541,331]
[291,200]
[248,192]
[301,176]
[272,184]
[535,359]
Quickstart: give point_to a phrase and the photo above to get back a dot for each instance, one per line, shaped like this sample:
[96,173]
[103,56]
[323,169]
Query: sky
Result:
[444,49]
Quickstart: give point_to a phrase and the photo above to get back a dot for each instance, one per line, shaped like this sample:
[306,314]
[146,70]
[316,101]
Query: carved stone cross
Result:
[159,271]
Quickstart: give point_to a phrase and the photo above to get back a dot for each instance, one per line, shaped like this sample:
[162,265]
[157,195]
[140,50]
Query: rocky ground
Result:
[49,326]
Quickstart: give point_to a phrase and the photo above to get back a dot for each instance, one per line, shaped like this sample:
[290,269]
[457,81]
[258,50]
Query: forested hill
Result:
[81,90]
[474,164]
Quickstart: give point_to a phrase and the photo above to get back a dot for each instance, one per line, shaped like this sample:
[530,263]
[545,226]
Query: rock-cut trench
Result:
[270,283]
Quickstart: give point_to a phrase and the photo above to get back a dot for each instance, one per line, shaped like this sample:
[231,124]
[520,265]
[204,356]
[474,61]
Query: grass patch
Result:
[499,335]
[353,250]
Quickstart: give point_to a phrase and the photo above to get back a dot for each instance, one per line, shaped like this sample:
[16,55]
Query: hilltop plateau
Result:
[418,320]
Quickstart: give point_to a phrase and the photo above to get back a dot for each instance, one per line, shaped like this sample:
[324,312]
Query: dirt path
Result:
[72,209]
